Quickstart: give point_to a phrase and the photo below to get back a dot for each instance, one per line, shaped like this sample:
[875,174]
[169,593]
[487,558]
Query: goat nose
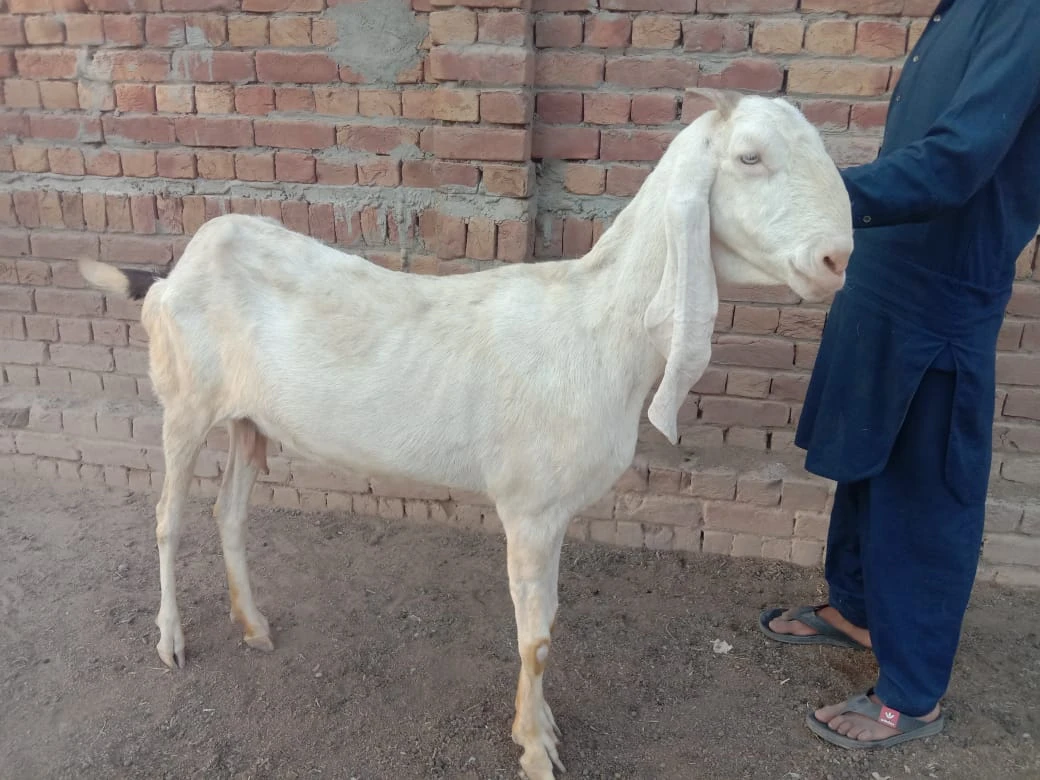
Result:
[835,259]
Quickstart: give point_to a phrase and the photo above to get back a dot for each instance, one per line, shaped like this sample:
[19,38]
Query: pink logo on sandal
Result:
[888,717]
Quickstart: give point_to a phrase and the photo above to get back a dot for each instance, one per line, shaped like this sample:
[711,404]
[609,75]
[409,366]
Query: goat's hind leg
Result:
[246,458]
[183,435]
[533,547]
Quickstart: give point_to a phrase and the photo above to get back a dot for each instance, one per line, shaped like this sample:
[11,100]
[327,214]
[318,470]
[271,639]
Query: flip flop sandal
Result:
[911,728]
[826,634]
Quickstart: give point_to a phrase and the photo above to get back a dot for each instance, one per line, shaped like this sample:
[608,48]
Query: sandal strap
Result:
[808,616]
[886,716]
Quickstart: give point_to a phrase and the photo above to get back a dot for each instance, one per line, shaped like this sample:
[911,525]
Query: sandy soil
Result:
[395,659]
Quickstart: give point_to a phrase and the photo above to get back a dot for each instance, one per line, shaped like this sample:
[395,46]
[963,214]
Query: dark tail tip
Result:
[139,282]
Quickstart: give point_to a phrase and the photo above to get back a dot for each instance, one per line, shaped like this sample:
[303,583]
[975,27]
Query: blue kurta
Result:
[940,219]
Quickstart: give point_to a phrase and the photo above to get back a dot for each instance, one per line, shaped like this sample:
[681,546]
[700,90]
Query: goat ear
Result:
[680,319]
[724,100]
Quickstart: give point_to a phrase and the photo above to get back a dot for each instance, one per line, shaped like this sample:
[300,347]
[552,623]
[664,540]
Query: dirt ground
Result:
[395,659]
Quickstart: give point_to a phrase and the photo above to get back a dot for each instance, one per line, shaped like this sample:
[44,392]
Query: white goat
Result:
[525,382]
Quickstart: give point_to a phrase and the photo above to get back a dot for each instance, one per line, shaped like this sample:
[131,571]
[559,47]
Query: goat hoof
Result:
[261,642]
[173,659]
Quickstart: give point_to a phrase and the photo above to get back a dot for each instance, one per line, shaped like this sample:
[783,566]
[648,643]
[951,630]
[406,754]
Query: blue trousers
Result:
[902,552]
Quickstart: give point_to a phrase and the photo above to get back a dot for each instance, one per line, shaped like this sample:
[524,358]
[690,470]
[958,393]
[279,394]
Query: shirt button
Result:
[899,98]
[917,57]
[937,18]
[866,220]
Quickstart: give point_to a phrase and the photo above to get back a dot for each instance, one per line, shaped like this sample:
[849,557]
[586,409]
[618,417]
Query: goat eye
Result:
[750,158]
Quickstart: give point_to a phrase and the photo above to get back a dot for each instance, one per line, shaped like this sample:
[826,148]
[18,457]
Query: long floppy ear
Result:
[681,317]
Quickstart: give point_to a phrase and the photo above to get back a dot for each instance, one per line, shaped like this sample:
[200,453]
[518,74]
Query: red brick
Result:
[133,65]
[837,78]
[21,93]
[290,31]
[215,66]
[170,213]
[878,7]
[778,36]
[143,214]
[145,129]
[66,161]
[147,250]
[294,166]
[558,31]
[295,135]
[747,6]
[566,143]
[214,99]
[251,166]
[881,39]
[482,63]
[139,163]
[653,109]
[31,159]
[175,164]
[335,172]
[515,240]
[607,31]
[378,139]
[247,31]
[87,303]
[175,98]
[503,27]
[668,6]
[577,236]
[65,128]
[568,69]
[712,35]
[43,30]
[512,181]
[559,107]
[295,67]
[755,352]
[505,107]
[214,131]
[272,6]
[747,74]
[606,108]
[634,144]
[378,102]
[336,101]
[869,116]
[455,105]
[651,72]
[201,5]
[455,26]
[379,172]
[47,63]
[831,36]
[124,29]
[254,99]
[462,143]
[65,245]
[139,98]
[827,114]
[11,31]
[655,32]
[214,164]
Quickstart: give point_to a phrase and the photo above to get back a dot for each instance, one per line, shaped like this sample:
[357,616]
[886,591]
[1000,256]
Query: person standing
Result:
[899,408]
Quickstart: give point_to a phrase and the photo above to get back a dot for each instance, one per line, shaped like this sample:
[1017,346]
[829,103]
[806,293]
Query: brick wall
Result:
[436,136]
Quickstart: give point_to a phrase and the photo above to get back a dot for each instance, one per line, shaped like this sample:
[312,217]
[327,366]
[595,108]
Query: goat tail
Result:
[133,284]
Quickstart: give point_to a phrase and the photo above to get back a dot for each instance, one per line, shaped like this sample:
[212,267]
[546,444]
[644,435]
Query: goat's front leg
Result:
[533,547]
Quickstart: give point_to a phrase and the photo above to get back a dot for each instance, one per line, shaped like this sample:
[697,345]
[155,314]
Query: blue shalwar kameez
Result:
[899,409]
